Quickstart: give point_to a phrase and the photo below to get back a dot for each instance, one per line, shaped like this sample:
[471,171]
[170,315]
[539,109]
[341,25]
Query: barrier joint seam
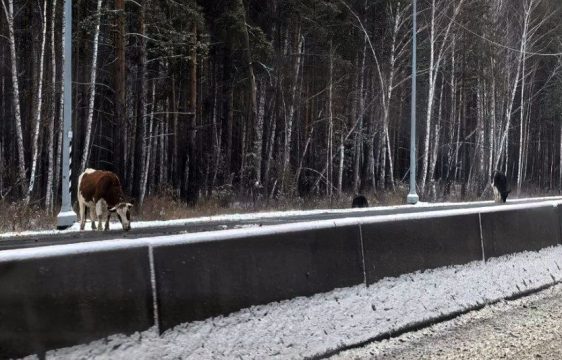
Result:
[153,287]
[481,237]
[363,255]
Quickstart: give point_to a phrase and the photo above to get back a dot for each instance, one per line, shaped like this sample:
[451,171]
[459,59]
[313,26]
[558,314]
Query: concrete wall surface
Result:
[53,302]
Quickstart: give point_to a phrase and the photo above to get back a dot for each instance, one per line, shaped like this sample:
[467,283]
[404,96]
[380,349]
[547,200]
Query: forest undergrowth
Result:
[15,216]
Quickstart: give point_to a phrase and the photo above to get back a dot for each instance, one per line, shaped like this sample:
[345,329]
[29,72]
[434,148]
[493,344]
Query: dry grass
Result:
[15,216]
[166,207]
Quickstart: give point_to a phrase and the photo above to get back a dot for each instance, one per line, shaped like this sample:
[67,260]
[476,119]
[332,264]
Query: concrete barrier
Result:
[52,297]
[69,299]
[398,247]
[510,231]
[195,281]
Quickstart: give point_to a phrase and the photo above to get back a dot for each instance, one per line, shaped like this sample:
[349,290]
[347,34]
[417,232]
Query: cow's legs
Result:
[92,211]
[82,214]
[107,222]
[102,213]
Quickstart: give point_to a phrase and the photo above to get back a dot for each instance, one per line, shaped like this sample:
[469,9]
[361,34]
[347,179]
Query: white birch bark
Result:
[521,122]
[58,157]
[560,162]
[503,140]
[340,168]
[258,141]
[93,74]
[329,147]
[35,143]
[9,12]
[51,141]
[398,22]
[147,144]
[436,135]
[359,130]
[434,65]
[492,137]
[292,107]
[163,148]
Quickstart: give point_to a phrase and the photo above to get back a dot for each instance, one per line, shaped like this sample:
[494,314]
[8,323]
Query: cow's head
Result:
[123,211]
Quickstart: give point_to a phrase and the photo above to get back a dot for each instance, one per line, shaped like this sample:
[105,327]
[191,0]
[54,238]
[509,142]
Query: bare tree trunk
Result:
[174,162]
[192,185]
[292,106]
[51,141]
[521,119]
[58,167]
[93,74]
[458,133]
[560,162]
[9,12]
[436,135]
[503,141]
[120,84]
[162,174]
[35,143]
[381,156]
[340,168]
[141,126]
[147,143]
[492,137]
[217,138]
[229,94]
[329,147]
[270,143]
[258,141]
[397,14]
[434,64]
[370,164]
[358,141]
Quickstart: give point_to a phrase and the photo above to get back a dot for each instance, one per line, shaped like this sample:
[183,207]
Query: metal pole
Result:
[67,216]
[413,197]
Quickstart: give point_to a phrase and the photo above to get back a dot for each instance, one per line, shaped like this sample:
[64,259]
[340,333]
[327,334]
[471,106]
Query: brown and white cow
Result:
[101,192]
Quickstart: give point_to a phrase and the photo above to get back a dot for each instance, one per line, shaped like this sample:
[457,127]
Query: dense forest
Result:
[282,98]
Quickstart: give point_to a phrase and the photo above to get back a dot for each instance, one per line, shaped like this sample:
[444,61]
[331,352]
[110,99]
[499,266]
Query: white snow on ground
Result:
[225,235]
[305,327]
[263,215]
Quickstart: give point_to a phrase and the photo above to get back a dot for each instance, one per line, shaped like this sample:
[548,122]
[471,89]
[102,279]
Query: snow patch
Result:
[310,326]
[277,214]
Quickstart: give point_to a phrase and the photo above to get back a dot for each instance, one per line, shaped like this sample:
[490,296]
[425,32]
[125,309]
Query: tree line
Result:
[281,98]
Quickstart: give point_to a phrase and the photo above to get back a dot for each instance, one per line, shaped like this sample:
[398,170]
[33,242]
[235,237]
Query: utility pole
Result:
[67,216]
[413,197]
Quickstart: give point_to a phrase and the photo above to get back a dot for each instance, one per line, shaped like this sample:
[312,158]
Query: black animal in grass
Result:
[500,186]
[360,201]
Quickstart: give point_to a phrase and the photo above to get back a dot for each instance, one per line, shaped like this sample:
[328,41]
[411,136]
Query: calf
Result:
[500,186]
[359,201]
[101,192]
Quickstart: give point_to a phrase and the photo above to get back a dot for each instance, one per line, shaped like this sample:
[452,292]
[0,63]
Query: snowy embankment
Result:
[114,225]
[314,326]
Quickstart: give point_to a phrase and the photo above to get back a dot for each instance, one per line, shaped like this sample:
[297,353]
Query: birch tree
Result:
[35,145]
[9,13]
[92,88]
[53,107]
[436,54]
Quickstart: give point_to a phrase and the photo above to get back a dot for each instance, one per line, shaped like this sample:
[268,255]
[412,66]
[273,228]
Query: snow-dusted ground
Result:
[312,326]
[264,215]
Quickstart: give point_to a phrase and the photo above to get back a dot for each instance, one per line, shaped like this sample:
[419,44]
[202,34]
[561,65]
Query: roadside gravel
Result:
[527,328]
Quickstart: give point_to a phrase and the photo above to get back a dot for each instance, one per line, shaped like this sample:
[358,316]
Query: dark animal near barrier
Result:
[101,192]
[360,201]
[500,186]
